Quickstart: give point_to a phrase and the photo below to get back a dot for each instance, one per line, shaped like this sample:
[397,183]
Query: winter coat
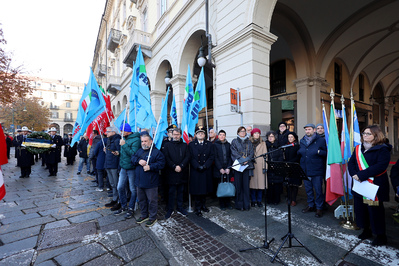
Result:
[276,156]
[82,148]
[100,154]
[291,155]
[201,155]
[222,157]
[395,178]
[132,145]
[94,142]
[68,150]
[148,179]
[258,180]
[377,157]
[176,153]
[53,155]
[112,144]
[282,138]
[24,157]
[242,151]
[312,156]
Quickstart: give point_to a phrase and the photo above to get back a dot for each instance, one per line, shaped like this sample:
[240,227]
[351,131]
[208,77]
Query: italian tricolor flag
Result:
[86,102]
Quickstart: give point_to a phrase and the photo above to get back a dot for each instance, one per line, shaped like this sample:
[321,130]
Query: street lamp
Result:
[201,60]
[167,77]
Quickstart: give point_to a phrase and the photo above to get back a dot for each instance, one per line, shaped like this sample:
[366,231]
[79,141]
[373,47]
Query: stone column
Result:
[309,107]
[391,124]
[178,83]
[242,61]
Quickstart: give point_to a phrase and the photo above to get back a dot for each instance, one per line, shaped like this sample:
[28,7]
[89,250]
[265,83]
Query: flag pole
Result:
[124,122]
[152,144]
[346,196]
[101,135]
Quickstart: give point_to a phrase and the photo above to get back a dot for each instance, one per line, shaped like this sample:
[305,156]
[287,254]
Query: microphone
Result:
[289,145]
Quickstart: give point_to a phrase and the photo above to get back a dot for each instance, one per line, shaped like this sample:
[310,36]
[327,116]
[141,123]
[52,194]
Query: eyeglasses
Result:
[366,134]
[243,131]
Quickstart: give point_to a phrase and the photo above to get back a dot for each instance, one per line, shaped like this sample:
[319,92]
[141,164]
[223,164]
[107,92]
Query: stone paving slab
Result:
[17,246]
[41,209]
[154,257]
[56,224]
[19,218]
[81,255]
[84,217]
[135,249]
[23,258]
[47,254]
[47,263]
[20,234]
[117,239]
[25,224]
[107,259]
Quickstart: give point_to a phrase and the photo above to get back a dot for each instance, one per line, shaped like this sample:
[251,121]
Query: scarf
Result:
[309,139]
[367,145]
[244,138]
[255,143]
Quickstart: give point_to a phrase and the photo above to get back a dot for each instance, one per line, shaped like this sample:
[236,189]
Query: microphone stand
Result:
[266,244]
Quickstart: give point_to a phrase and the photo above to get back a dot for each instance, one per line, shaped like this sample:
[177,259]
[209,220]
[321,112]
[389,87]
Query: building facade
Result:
[62,98]
[284,56]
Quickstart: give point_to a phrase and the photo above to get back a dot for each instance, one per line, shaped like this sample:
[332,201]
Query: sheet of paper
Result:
[238,167]
[365,189]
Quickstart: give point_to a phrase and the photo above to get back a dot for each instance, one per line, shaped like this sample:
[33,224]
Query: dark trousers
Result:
[274,192]
[293,192]
[70,160]
[200,201]
[241,182]
[53,168]
[370,216]
[8,152]
[175,192]
[148,202]
[25,171]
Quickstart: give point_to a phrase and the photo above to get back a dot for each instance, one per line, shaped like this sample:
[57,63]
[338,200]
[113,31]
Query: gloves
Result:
[54,145]
[201,169]
[397,190]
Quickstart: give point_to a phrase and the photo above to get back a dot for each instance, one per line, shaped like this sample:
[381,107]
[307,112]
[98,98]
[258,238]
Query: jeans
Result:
[113,180]
[100,175]
[256,195]
[173,189]
[124,176]
[81,162]
[148,201]
[315,183]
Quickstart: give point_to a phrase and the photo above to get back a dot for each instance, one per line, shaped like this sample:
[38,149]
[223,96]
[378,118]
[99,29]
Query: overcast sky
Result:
[52,38]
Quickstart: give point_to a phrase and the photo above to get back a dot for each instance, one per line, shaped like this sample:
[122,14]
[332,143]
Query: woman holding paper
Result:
[368,163]
[242,152]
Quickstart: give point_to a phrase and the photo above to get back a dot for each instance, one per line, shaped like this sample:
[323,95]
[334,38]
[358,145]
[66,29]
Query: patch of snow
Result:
[384,255]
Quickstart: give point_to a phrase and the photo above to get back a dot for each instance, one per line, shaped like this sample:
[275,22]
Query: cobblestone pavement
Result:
[62,221]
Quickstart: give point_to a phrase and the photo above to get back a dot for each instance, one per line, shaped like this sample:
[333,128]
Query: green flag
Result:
[334,149]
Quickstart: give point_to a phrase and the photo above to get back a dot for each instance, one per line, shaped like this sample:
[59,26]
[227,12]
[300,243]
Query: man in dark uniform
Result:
[24,157]
[163,188]
[70,152]
[53,156]
[201,159]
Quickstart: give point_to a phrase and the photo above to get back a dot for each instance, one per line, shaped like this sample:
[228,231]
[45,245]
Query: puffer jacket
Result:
[132,144]
[111,160]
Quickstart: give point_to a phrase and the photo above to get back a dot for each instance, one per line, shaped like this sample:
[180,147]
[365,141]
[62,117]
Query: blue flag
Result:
[199,103]
[173,113]
[140,99]
[325,124]
[162,123]
[119,121]
[188,101]
[345,138]
[97,103]
[77,128]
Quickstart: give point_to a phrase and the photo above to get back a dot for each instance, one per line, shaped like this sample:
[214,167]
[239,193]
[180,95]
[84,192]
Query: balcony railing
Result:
[68,120]
[101,70]
[54,107]
[114,39]
[137,38]
[114,84]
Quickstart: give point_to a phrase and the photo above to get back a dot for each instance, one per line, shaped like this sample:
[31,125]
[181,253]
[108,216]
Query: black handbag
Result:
[225,189]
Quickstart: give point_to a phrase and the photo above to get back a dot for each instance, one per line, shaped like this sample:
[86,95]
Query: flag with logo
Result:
[173,113]
[140,96]
[77,131]
[122,117]
[187,103]
[3,160]
[162,123]
[334,188]
[198,104]
[97,103]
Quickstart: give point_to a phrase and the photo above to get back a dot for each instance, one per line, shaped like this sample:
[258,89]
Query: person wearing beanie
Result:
[282,134]
[320,130]
[257,183]
[130,143]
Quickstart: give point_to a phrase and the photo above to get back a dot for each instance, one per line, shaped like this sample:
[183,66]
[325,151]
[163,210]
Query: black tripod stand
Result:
[289,170]
[265,242]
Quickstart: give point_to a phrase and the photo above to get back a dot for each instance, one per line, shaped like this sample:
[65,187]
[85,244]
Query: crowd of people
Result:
[132,169]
